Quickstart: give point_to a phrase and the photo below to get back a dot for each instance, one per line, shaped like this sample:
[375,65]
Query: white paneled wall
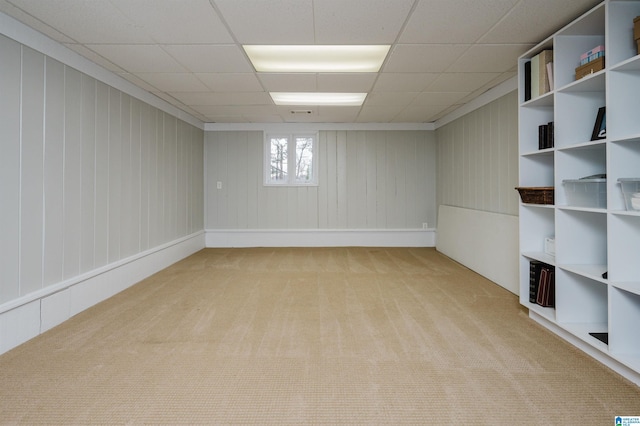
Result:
[478,158]
[477,174]
[376,180]
[90,178]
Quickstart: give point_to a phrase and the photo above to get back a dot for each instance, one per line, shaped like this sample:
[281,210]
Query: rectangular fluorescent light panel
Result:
[315,98]
[317,58]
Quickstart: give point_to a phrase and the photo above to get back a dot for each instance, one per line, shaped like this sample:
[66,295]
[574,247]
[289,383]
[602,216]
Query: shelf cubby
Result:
[624,160]
[582,302]
[620,43]
[576,113]
[624,318]
[624,259]
[621,108]
[575,163]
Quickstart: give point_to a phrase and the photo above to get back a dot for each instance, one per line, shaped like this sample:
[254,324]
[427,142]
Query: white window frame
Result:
[291,138]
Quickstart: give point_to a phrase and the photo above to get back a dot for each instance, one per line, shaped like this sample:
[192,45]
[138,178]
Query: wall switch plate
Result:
[219,185]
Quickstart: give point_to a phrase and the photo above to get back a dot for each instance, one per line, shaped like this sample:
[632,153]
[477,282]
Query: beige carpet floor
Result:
[338,336]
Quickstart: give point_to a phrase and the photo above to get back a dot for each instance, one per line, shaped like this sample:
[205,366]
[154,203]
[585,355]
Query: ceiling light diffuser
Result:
[317,98]
[317,58]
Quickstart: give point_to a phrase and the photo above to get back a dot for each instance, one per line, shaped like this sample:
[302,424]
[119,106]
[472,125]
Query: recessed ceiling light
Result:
[317,58]
[316,98]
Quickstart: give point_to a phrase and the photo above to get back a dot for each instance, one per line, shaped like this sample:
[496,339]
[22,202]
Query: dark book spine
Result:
[550,138]
[542,136]
[534,278]
[527,81]
[542,286]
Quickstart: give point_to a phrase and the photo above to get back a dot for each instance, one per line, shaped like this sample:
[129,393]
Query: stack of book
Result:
[538,75]
[542,284]
[591,61]
[592,55]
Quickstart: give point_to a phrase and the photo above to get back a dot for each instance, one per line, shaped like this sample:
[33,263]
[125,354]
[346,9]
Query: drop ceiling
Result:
[443,54]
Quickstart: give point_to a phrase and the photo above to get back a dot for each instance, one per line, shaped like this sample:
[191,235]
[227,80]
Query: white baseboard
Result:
[26,317]
[484,242]
[222,238]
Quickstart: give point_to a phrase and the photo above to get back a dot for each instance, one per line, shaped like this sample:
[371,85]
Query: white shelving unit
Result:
[589,241]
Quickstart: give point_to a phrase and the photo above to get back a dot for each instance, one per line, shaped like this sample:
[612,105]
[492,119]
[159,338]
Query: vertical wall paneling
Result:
[477,158]
[53,173]
[115,173]
[135,176]
[31,168]
[72,162]
[125,213]
[88,173]
[89,177]
[101,199]
[367,180]
[10,83]
[146,130]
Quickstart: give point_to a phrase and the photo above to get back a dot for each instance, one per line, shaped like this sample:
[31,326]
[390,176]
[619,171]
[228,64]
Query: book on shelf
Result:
[545,136]
[534,278]
[541,74]
[527,81]
[541,283]
[546,287]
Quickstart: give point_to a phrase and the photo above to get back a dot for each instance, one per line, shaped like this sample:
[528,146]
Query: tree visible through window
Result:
[290,160]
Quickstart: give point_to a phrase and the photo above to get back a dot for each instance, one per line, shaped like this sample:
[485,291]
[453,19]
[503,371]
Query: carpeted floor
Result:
[309,336]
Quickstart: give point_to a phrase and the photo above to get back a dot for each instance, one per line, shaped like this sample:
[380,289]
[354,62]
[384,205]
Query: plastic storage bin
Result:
[586,192]
[631,192]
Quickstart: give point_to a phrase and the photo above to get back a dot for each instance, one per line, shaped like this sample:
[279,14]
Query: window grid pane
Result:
[304,159]
[278,163]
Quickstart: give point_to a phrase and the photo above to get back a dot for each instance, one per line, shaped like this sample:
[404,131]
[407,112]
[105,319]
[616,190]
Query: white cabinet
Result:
[598,312]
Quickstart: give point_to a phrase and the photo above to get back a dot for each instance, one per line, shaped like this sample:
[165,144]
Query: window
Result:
[290,159]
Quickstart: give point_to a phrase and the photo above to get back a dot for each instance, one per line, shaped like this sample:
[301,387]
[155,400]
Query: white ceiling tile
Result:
[438,98]
[34,23]
[228,98]
[209,58]
[173,82]
[359,21]
[289,82]
[378,114]
[390,98]
[446,21]
[158,19]
[534,21]
[269,22]
[423,58]
[489,58]
[135,58]
[461,82]
[403,82]
[346,82]
[88,21]
[230,82]
[418,114]
[339,114]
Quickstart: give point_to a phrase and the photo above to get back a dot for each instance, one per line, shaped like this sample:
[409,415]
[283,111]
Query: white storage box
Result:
[586,192]
[631,192]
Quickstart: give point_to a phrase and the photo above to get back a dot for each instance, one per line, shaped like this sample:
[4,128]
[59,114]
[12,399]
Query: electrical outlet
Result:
[425,225]
[219,185]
